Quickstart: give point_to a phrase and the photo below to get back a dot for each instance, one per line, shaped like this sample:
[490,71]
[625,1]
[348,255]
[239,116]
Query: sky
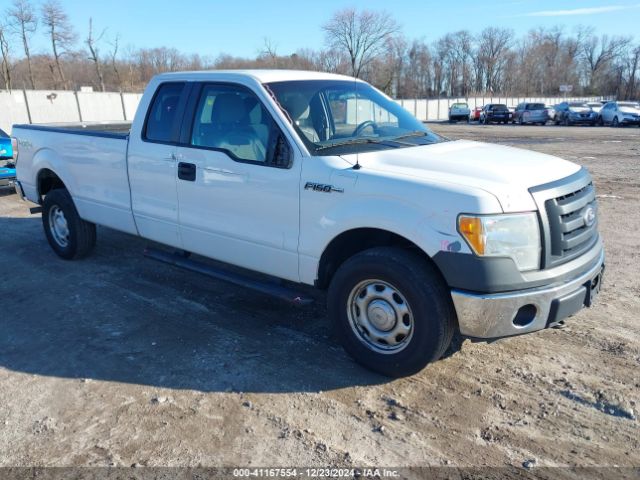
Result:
[239,28]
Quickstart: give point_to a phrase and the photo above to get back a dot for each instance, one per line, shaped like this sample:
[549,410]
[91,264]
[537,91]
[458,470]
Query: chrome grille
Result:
[568,215]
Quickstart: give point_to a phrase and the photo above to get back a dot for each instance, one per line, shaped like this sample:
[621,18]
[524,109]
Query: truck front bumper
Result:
[523,311]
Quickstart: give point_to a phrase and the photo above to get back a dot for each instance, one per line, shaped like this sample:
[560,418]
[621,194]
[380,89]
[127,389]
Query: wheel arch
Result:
[353,241]
[47,180]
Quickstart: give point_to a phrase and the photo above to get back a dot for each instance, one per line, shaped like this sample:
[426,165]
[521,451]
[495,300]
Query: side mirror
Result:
[282,155]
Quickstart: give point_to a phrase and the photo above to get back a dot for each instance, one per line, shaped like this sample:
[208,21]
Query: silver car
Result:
[620,113]
[527,112]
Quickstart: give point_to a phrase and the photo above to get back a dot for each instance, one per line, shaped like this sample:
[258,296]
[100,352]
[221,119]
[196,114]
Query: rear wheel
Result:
[69,236]
[615,123]
[391,310]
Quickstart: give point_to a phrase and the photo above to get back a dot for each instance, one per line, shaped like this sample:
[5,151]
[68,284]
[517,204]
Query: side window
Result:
[161,120]
[232,119]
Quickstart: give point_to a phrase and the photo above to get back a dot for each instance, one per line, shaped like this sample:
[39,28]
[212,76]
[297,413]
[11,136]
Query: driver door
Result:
[238,184]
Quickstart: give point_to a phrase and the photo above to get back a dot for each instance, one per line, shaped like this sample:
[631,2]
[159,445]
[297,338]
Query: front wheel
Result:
[615,123]
[69,236]
[391,310]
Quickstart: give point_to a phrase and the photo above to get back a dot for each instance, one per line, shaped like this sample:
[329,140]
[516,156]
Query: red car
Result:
[475,114]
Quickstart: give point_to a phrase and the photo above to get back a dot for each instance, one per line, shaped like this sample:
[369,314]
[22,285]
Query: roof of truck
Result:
[263,76]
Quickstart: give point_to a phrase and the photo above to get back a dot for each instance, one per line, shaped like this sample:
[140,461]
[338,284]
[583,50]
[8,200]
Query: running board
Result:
[269,288]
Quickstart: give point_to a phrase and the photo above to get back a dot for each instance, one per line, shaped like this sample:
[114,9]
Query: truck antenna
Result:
[355,87]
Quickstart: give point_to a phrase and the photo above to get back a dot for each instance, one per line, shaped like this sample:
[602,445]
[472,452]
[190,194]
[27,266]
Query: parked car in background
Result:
[475,114]
[551,112]
[494,113]
[596,106]
[7,168]
[459,111]
[6,150]
[527,112]
[620,113]
[572,113]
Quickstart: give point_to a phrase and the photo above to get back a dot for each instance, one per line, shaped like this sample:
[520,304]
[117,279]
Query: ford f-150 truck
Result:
[320,179]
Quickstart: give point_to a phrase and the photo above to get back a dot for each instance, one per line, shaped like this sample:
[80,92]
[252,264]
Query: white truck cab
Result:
[323,180]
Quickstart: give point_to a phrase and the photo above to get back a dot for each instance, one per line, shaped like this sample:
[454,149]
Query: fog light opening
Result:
[525,316]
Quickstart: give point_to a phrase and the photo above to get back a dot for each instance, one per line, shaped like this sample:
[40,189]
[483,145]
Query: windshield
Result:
[535,106]
[2,134]
[459,105]
[342,116]
[499,108]
[579,105]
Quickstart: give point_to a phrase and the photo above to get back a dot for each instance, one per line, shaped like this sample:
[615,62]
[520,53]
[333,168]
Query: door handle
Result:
[187,171]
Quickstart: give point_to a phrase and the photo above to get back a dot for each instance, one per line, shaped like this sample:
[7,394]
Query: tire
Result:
[70,237]
[600,122]
[520,121]
[615,123]
[567,123]
[413,286]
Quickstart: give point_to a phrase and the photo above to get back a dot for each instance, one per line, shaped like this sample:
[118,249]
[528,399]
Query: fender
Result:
[425,215]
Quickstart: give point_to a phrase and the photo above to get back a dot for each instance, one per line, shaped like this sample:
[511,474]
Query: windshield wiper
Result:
[416,133]
[357,141]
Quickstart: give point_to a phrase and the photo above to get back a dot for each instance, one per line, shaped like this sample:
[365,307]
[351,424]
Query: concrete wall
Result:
[45,106]
[13,109]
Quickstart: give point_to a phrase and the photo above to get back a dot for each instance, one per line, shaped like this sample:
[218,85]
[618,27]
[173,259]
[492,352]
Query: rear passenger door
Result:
[152,166]
[238,183]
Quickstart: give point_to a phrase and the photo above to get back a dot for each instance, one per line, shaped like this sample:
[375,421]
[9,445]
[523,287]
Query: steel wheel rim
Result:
[380,316]
[58,226]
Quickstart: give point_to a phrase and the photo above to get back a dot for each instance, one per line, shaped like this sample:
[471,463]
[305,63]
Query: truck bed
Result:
[102,129]
[90,159]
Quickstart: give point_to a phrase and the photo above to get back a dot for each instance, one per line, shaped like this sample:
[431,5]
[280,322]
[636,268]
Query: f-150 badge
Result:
[320,187]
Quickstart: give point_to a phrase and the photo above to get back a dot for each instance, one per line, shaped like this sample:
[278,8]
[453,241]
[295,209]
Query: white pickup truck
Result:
[322,180]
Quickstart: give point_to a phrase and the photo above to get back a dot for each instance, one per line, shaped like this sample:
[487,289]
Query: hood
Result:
[629,110]
[505,172]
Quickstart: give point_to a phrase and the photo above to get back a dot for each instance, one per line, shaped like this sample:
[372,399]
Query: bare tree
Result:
[493,46]
[94,54]
[23,20]
[114,62]
[599,52]
[6,65]
[269,52]
[60,33]
[363,35]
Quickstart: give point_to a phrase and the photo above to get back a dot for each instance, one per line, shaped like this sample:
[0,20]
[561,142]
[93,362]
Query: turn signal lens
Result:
[472,230]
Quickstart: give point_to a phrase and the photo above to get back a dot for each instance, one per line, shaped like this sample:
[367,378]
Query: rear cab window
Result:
[162,124]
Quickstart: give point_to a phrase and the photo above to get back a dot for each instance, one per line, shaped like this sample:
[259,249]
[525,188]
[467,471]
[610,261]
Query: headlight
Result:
[507,235]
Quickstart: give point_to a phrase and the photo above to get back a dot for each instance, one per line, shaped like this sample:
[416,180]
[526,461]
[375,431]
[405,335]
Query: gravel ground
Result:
[118,360]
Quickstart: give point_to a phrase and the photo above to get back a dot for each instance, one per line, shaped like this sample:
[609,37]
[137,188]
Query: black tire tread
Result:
[84,233]
[421,272]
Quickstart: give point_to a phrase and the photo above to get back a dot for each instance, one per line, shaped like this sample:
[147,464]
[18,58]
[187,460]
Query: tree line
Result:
[364,44]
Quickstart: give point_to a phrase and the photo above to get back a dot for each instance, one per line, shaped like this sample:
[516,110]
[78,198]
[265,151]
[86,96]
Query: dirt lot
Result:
[117,360]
